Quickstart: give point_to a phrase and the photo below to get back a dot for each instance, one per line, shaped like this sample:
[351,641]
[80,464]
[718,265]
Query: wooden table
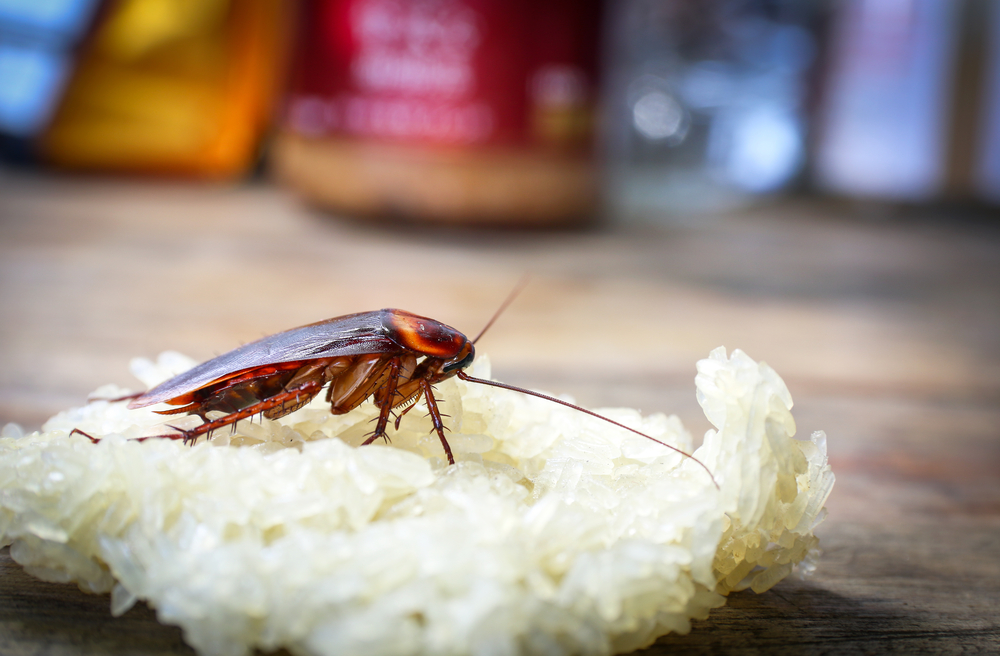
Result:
[887,332]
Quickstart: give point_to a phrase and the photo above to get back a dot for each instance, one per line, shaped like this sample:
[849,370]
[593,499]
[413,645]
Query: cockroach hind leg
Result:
[184,436]
[93,440]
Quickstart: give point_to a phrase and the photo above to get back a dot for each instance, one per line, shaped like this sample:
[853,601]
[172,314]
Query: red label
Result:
[460,72]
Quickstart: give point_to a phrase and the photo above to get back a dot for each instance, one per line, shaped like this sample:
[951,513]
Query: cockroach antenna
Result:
[513,388]
[482,381]
[503,306]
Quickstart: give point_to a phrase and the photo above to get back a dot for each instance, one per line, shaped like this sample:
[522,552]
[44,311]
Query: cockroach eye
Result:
[459,364]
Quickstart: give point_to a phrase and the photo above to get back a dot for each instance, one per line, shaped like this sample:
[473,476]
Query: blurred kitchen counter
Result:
[887,332]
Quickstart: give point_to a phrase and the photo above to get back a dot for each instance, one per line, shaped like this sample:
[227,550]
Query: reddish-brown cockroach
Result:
[392,356]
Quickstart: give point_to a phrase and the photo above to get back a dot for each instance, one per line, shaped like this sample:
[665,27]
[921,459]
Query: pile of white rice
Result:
[555,533]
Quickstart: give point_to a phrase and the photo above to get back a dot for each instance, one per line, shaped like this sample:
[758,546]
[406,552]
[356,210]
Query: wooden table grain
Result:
[886,330]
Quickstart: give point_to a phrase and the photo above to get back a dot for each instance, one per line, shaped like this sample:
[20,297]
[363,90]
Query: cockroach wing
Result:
[352,334]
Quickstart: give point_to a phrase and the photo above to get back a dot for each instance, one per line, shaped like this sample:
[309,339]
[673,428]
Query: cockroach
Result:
[389,355]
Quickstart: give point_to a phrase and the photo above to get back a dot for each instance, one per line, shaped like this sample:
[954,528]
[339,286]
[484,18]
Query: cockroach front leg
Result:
[386,406]
[432,408]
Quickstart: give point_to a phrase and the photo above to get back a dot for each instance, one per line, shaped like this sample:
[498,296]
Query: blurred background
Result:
[816,182]
[545,113]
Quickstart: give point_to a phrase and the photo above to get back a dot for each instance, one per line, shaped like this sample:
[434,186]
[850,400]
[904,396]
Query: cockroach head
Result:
[462,360]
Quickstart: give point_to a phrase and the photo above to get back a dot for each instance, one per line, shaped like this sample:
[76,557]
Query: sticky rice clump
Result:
[555,533]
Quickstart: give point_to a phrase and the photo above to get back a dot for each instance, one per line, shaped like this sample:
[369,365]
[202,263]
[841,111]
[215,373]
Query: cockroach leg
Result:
[436,417]
[190,436]
[370,437]
[390,393]
[181,434]
[409,403]
[93,439]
